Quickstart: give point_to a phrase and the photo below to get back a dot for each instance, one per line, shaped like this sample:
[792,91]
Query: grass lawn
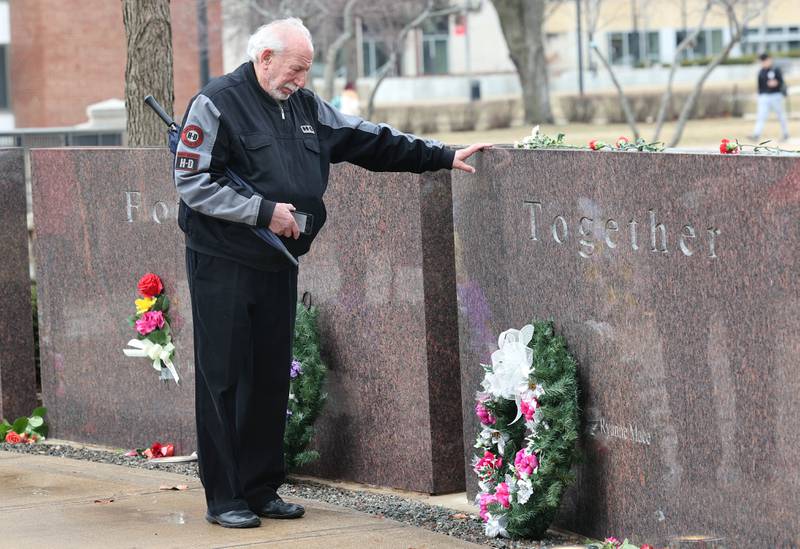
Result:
[698,134]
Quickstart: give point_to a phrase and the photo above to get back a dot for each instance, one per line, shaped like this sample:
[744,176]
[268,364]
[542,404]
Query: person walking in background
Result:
[771,89]
[349,102]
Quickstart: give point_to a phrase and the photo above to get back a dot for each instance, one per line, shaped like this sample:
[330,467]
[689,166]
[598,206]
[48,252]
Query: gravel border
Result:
[407,511]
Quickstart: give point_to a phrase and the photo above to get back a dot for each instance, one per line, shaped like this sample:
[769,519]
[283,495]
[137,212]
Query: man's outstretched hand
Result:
[463,154]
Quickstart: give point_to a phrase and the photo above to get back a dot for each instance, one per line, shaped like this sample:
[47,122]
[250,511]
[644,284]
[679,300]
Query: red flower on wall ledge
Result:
[726,146]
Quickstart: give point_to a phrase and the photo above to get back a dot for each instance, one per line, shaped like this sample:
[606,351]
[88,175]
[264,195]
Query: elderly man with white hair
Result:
[262,124]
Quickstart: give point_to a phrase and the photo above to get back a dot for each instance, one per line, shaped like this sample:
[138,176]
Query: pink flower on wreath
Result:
[613,541]
[502,495]
[149,321]
[528,408]
[486,500]
[484,415]
[525,463]
[489,463]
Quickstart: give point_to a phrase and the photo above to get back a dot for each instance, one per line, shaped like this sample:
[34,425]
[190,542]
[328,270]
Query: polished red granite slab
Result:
[381,272]
[674,280]
[383,276]
[17,371]
[103,218]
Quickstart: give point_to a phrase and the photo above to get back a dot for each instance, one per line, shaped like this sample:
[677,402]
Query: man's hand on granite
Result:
[463,154]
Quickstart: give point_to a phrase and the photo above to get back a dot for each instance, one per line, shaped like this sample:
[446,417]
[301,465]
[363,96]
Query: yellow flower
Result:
[143,305]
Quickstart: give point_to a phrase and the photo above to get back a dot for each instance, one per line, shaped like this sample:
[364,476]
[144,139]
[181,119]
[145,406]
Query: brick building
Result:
[63,55]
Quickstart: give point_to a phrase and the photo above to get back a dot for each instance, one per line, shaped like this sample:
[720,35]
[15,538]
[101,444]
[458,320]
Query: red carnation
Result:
[726,146]
[646,546]
[595,145]
[13,438]
[150,285]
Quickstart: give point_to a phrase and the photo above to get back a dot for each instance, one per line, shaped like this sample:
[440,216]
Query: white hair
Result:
[271,37]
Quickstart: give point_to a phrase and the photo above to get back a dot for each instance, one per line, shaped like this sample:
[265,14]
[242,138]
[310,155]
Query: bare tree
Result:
[738,13]
[333,49]
[522,23]
[148,70]
[623,99]
[688,41]
[747,11]
[395,22]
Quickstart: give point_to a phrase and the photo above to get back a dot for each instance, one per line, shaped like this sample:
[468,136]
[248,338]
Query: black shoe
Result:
[279,509]
[235,519]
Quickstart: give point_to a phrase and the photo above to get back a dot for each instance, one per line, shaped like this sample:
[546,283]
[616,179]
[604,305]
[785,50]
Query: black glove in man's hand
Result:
[283,223]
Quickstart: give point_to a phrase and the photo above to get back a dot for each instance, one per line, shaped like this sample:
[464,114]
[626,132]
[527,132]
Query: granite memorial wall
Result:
[673,279]
[17,370]
[103,218]
[381,273]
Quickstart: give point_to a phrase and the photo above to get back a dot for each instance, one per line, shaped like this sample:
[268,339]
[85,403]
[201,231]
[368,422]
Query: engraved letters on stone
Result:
[158,211]
[593,236]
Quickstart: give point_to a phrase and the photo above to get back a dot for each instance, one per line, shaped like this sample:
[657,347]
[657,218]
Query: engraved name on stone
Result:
[137,210]
[592,235]
[601,428]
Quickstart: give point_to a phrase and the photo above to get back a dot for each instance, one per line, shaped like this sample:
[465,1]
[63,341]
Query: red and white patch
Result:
[192,136]
[187,162]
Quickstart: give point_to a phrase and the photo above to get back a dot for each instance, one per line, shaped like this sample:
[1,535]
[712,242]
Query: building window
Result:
[772,39]
[375,56]
[707,44]
[435,38]
[4,77]
[634,48]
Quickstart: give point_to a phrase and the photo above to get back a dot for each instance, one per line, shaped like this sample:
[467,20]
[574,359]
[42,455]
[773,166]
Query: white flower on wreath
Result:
[524,490]
[511,366]
[489,438]
[496,526]
[484,486]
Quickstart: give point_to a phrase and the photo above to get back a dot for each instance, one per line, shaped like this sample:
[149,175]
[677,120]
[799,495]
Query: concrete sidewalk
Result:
[50,502]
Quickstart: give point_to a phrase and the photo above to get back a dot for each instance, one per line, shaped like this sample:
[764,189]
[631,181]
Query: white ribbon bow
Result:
[157,353]
[511,366]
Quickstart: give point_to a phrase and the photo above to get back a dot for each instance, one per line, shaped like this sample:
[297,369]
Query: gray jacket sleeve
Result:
[200,162]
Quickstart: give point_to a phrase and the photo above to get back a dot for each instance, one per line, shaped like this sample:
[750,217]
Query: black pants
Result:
[243,332]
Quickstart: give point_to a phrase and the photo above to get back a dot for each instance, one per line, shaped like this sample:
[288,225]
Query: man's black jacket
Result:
[284,150]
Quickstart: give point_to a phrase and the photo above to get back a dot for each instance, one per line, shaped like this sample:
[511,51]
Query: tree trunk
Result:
[698,89]
[666,98]
[623,99]
[332,52]
[148,70]
[522,24]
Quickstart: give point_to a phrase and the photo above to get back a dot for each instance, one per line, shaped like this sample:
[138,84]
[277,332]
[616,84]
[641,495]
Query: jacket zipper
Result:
[283,116]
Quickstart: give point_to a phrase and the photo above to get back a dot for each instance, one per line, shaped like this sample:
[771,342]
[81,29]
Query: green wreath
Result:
[306,396]
[529,417]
